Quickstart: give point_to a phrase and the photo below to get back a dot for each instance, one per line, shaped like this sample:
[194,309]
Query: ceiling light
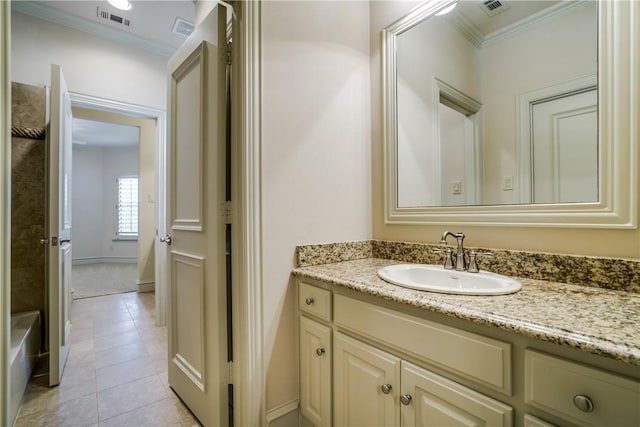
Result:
[120,4]
[443,11]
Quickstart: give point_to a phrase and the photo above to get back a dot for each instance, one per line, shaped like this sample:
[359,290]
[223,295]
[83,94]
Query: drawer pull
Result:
[309,300]
[320,351]
[386,388]
[583,403]
[405,399]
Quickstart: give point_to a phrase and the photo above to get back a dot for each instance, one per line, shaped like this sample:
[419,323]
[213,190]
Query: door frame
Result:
[248,365]
[5,207]
[138,111]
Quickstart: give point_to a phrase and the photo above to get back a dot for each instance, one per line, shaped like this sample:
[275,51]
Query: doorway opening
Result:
[457,169]
[105,207]
[150,124]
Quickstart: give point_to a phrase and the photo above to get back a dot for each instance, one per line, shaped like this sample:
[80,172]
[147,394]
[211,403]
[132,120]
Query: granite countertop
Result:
[598,321]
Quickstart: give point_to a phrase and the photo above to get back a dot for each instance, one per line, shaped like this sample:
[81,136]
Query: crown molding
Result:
[46,13]
[479,40]
[467,29]
[541,17]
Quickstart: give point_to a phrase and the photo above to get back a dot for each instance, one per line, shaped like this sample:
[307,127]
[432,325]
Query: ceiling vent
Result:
[494,7]
[112,17]
[183,27]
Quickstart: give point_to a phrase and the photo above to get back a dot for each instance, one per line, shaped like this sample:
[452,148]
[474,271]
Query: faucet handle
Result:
[448,258]
[473,263]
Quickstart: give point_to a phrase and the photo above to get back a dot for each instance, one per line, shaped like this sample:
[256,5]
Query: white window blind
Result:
[127,207]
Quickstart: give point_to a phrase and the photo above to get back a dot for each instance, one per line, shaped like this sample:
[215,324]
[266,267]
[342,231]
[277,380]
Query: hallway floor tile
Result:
[116,374]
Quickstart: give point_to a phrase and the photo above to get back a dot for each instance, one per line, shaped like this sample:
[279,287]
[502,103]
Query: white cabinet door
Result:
[366,384]
[431,400]
[315,372]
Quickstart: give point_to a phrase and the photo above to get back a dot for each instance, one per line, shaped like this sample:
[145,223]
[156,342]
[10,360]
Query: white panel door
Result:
[565,149]
[431,400]
[366,384]
[59,226]
[197,329]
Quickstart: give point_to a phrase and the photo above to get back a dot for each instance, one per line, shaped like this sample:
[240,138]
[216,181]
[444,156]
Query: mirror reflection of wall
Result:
[495,61]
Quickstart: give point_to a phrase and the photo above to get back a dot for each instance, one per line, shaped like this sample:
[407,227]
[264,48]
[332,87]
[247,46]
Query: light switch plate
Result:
[457,187]
[507,183]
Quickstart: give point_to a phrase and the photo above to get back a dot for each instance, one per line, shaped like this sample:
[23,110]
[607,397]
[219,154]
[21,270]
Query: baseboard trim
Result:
[281,410]
[146,286]
[105,260]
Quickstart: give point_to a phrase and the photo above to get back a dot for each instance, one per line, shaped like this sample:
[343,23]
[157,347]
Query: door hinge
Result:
[230,364]
[228,53]
[226,211]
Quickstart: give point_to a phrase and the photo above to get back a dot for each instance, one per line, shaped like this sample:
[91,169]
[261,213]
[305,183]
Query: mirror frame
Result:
[618,131]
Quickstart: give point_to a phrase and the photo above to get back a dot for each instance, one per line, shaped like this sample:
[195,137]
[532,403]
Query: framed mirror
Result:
[506,113]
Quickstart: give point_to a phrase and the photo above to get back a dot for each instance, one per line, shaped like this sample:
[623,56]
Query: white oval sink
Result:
[434,278]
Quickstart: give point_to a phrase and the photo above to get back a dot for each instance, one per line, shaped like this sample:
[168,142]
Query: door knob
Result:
[166,239]
[309,300]
[320,351]
[386,388]
[405,399]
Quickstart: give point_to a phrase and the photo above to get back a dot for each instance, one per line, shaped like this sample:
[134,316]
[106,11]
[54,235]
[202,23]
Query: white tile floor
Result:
[116,374]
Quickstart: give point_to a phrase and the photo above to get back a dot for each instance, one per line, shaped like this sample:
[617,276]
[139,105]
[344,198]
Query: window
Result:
[127,207]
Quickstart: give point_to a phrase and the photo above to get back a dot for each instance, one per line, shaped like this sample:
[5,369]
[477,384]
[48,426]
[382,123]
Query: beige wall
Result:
[92,65]
[146,174]
[316,165]
[596,242]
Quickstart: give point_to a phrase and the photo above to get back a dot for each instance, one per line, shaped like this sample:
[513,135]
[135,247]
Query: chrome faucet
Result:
[461,263]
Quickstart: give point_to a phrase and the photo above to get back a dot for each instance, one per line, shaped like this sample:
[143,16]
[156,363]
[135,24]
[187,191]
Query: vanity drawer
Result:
[478,358]
[552,384]
[315,301]
[531,421]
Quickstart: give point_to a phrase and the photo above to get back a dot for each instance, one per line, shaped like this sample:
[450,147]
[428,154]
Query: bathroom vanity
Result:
[373,353]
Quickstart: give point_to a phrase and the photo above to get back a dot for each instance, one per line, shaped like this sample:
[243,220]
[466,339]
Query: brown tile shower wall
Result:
[27,198]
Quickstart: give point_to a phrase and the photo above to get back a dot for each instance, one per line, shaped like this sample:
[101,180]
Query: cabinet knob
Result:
[583,403]
[309,300]
[405,399]
[386,388]
[320,351]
